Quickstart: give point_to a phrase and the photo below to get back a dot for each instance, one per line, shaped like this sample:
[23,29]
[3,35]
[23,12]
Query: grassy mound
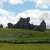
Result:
[23,35]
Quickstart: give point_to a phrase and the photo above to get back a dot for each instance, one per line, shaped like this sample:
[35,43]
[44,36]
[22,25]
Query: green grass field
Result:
[23,35]
[5,46]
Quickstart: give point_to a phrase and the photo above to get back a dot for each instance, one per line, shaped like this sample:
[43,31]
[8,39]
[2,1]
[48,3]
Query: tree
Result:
[1,26]
[28,19]
[42,26]
[10,25]
[22,23]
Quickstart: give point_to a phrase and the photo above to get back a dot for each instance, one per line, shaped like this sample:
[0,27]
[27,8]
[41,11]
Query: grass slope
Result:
[23,35]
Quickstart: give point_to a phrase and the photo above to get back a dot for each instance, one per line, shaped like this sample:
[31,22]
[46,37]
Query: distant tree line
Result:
[24,23]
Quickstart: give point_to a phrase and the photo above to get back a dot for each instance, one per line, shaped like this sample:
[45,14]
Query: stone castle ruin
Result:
[24,24]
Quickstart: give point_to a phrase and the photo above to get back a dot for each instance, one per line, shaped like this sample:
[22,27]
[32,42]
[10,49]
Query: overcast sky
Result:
[12,10]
